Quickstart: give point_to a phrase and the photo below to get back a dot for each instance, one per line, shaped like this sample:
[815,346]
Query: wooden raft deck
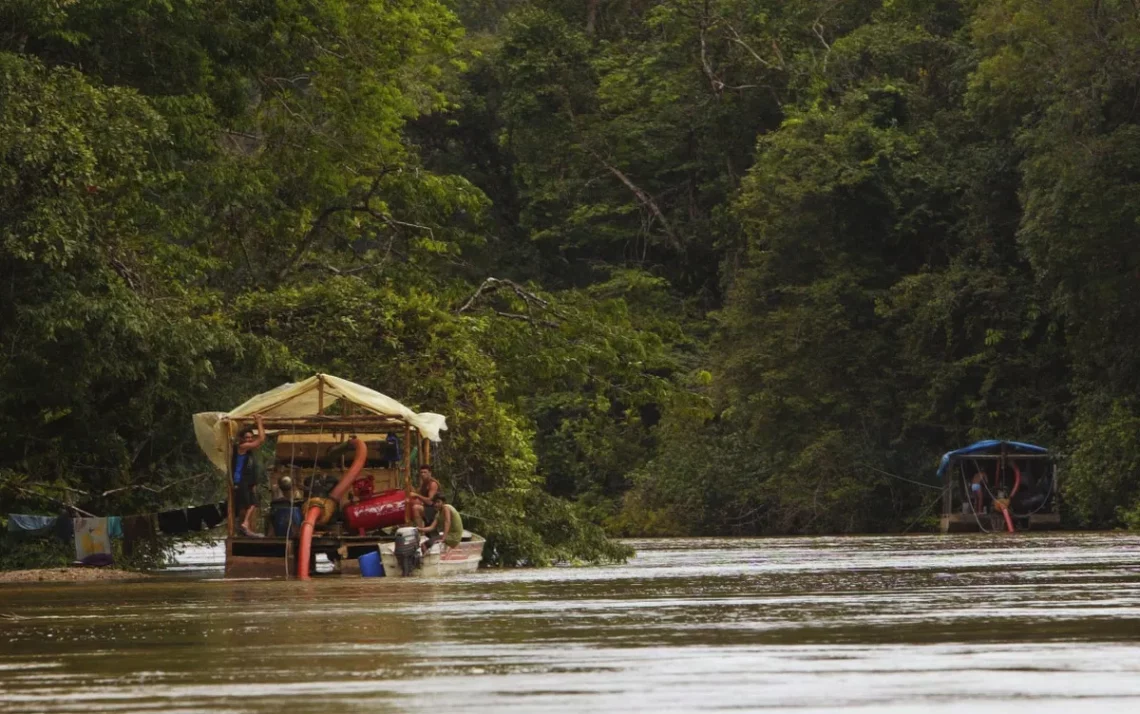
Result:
[267,557]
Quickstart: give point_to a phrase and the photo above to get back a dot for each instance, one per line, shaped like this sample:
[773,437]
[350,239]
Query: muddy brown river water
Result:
[1030,623]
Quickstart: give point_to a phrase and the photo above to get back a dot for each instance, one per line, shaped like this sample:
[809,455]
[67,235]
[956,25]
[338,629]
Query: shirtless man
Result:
[422,508]
[245,475]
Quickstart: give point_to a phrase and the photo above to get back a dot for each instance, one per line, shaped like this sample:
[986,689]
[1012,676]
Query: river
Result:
[1030,623]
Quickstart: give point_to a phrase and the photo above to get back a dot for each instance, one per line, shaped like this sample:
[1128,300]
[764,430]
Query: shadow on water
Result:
[964,623]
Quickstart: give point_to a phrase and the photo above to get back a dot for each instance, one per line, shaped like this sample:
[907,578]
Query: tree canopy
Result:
[669,266]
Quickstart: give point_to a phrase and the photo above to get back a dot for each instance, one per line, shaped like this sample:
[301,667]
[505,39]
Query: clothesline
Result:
[18,518]
[93,534]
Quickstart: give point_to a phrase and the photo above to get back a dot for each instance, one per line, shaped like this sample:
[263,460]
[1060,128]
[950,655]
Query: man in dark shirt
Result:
[245,476]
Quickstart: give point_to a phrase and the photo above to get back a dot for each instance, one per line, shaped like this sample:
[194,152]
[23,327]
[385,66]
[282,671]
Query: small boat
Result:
[439,561]
[999,486]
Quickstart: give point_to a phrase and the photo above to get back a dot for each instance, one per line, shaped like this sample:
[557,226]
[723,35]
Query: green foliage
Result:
[533,528]
[25,554]
[1099,479]
[697,266]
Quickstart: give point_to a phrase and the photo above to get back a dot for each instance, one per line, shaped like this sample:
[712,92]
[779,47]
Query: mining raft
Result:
[999,486]
[340,476]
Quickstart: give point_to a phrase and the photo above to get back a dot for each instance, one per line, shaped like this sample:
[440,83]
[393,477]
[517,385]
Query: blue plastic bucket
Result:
[370,566]
[281,515]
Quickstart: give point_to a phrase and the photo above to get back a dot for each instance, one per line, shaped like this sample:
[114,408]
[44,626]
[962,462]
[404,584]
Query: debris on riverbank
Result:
[69,575]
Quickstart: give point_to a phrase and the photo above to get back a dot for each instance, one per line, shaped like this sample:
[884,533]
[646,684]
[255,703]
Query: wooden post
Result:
[408,453]
[947,494]
[229,479]
[407,473]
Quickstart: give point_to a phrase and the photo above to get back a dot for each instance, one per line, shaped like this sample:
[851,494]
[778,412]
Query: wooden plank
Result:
[318,425]
[229,479]
[408,473]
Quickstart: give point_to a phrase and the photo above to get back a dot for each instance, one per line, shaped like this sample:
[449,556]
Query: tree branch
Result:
[756,55]
[643,197]
[490,285]
[364,206]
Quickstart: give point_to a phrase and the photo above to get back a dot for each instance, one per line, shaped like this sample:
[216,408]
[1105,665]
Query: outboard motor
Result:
[408,549]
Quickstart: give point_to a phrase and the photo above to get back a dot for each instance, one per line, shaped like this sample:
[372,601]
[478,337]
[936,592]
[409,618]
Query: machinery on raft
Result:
[341,476]
[999,486]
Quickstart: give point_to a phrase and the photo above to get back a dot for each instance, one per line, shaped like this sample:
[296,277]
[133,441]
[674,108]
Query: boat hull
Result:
[440,561]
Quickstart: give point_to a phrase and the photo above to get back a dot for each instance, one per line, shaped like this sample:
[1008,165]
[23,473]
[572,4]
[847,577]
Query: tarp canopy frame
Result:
[992,449]
[304,404]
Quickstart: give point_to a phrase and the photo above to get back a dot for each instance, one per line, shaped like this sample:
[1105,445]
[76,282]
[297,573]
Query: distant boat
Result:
[999,486]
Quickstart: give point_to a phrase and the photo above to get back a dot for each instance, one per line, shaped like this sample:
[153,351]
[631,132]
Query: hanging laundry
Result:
[64,527]
[203,517]
[96,560]
[215,514]
[91,537]
[138,530]
[194,520]
[173,522]
[30,525]
[114,526]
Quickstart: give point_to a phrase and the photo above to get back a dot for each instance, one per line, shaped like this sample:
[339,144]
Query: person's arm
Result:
[257,442]
[446,521]
[260,432]
[430,527]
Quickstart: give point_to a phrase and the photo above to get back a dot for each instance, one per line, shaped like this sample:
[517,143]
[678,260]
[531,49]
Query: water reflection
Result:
[966,623]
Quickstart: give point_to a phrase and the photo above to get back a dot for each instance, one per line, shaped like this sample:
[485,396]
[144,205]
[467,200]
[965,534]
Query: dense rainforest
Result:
[669,266]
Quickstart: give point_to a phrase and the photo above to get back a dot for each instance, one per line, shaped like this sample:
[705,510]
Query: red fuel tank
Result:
[382,510]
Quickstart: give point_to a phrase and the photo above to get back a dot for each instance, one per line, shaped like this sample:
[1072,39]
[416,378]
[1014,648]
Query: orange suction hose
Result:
[306,542]
[314,513]
[1008,520]
[345,482]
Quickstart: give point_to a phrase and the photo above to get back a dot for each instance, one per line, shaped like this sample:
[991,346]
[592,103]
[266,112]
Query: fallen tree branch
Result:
[525,318]
[36,494]
[144,487]
[529,298]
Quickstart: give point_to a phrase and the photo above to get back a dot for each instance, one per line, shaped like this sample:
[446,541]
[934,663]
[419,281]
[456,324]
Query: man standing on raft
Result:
[245,476]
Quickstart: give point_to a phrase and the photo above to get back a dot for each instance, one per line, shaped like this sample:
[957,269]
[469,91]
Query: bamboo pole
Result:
[230,479]
[407,474]
[302,425]
[408,453]
[316,420]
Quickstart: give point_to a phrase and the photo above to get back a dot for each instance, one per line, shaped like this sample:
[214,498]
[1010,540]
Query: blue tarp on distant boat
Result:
[990,446]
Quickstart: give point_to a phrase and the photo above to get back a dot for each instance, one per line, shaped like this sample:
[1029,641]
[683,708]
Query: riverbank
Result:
[69,575]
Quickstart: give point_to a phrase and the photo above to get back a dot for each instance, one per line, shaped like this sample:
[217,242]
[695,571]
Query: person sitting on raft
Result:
[446,526]
[245,476]
[422,508]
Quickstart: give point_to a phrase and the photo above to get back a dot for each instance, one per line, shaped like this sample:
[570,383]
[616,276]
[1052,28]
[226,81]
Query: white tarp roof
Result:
[300,399]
